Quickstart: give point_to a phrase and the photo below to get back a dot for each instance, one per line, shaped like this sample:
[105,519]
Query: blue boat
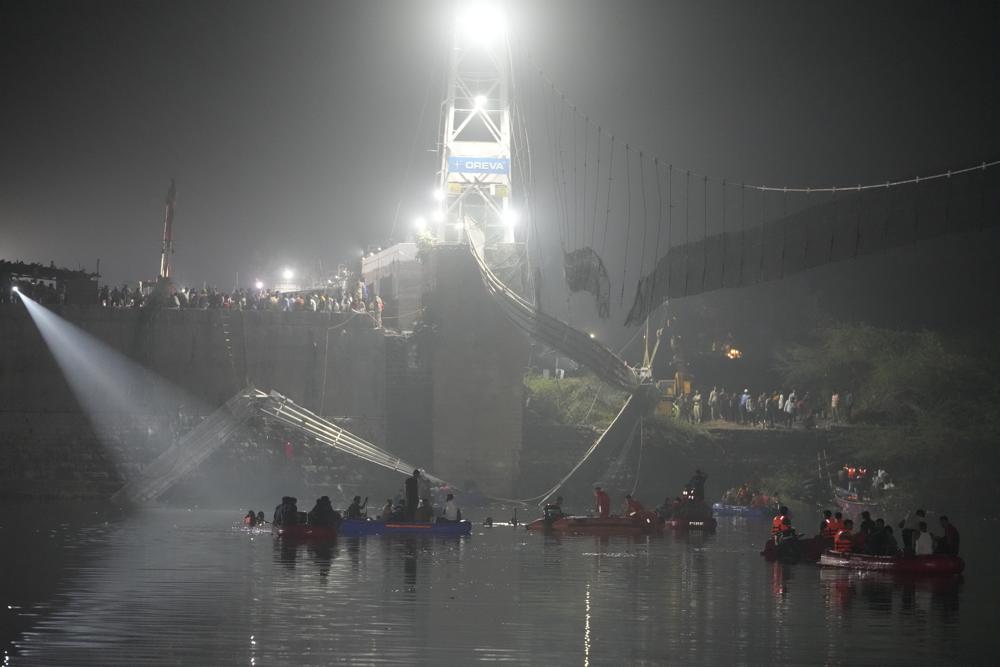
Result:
[720,509]
[355,527]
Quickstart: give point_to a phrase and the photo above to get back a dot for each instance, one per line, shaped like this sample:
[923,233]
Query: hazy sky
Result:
[289,126]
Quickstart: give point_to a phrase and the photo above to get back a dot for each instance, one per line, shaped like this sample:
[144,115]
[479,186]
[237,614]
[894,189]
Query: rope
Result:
[645,216]
[814,189]
[628,223]
[659,229]
[638,463]
[597,190]
[607,213]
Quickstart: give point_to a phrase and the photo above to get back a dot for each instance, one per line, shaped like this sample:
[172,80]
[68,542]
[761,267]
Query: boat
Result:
[356,527]
[591,525]
[933,564]
[723,509]
[795,550]
[851,504]
[303,531]
[692,515]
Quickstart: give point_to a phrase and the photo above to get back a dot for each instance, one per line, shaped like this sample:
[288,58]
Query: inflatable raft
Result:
[304,532]
[356,527]
[935,564]
[795,550]
[590,525]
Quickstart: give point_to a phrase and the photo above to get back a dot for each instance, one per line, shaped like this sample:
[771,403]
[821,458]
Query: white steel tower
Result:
[475,176]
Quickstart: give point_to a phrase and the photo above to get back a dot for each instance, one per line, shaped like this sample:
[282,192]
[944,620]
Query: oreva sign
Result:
[479,165]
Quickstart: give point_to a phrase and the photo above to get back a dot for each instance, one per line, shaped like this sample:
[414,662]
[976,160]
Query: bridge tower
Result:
[475,177]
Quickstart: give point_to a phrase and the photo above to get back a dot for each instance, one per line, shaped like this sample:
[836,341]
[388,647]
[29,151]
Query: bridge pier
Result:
[477,359]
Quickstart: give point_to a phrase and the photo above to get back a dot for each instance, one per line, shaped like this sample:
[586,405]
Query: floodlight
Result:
[420,223]
[287,274]
[259,284]
[479,101]
[509,217]
[481,24]
[438,194]
[15,289]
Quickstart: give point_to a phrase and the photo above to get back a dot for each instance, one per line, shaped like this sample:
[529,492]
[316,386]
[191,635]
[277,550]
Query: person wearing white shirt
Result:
[924,544]
[451,511]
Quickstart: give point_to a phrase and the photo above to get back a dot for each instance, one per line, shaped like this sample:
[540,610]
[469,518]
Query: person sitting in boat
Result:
[844,540]
[424,512]
[453,514]
[287,513]
[838,523]
[356,510]
[603,502]
[632,506]
[778,521]
[323,514]
[923,544]
[787,532]
[826,526]
[386,510]
[250,520]
[949,541]
[260,518]
[910,527]
[875,540]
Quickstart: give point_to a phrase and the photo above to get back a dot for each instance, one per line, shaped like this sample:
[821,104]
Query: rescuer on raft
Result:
[633,508]
[844,541]
[603,501]
[778,521]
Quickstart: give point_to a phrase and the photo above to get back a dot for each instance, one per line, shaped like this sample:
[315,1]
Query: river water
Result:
[164,586]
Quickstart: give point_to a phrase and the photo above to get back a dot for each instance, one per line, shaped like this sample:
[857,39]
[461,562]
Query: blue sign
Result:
[479,165]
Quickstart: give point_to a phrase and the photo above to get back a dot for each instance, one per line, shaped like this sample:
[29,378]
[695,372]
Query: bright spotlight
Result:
[481,24]
[437,216]
[509,217]
[259,284]
[479,101]
[420,223]
[438,194]
[15,289]
[287,274]
[593,335]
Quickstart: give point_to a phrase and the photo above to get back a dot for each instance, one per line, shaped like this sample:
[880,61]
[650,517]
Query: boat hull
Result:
[304,532]
[354,528]
[587,525]
[807,549]
[931,565]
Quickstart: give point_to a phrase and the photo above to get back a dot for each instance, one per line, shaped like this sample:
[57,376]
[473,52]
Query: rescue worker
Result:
[552,511]
[250,520]
[923,543]
[844,540]
[386,509]
[412,495]
[838,523]
[260,518]
[697,485]
[948,543]
[287,513]
[826,526]
[778,521]
[603,501]
[356,509]
[786,532]
[323,514]
[632,506]
[452,513]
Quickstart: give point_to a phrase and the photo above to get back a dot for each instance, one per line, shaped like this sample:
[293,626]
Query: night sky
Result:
[295,129]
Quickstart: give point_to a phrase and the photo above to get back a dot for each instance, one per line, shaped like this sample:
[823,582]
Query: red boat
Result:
[590,525]
[795,550]
[692,515]
[935,564]
[304,531]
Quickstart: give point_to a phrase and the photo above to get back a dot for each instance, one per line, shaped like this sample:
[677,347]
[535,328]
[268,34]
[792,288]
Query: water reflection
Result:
[182,588]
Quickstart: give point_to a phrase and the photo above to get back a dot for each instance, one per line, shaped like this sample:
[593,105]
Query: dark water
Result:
[184,587]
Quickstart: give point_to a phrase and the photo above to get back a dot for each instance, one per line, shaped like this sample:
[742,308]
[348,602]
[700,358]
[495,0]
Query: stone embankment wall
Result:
[332,363]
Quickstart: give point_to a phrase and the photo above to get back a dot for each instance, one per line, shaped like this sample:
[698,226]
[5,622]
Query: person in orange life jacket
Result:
[632,506]
[603,502]
[786,532]
[844,541]
[776,522]
[826,525]
[837,524]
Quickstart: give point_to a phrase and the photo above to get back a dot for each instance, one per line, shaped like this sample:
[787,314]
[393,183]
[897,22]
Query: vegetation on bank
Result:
[575,401]
[926,405]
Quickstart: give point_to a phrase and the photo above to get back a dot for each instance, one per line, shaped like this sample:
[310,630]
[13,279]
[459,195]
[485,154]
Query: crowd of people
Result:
[415,505]
[875,537]
[747,495]
[764,410]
